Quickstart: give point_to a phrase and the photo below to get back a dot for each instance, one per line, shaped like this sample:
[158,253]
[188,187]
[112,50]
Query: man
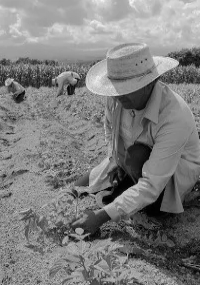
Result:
[69,78]
[154,150]
[15,88]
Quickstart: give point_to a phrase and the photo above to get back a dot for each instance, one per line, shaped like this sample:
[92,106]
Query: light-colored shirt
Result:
[15,88]
[130,119]
[66,77]
[168,127]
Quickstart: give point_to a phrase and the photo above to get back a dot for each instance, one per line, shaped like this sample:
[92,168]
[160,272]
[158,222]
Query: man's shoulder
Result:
[172,98]
[75,75]
[64,74]
[175,109]
[17,84]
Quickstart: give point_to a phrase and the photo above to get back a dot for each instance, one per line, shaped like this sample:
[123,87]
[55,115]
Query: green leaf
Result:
[67,279]
[42,223]
[164,238]
[55,269]
[65,241]
[27,216]
[78,276]
[26,232]
[170,243]
[109,279]
[69,201]
[71,258]
[79,231]
[75,236]
[26,211]
[103,267]
[95,282]
[134,275]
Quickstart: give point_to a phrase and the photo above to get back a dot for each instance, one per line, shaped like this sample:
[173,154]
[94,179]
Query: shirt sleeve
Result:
[108,126]
[17,88]
[156,172]
[60,86]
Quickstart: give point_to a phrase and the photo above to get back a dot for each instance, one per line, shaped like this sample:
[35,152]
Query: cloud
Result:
[99,24]
[109,10]
[146,9]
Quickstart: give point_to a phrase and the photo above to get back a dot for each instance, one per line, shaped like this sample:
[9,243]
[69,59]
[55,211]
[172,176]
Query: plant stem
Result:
[76,213]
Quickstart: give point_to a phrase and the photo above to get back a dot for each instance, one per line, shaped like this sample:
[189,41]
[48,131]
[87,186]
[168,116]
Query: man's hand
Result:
[90,222]
[15,95]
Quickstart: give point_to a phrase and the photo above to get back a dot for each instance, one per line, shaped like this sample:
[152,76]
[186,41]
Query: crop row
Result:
[41,74]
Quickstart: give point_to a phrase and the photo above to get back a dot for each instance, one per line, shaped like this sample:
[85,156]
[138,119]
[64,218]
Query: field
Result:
[45,145]
[37,75]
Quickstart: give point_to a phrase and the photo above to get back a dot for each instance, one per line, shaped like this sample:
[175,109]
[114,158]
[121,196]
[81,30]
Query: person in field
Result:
[68,78]
[15,88]
[153,160]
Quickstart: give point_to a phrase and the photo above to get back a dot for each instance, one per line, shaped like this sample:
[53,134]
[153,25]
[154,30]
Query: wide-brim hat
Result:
[76,75]
[127,68]
[9,81]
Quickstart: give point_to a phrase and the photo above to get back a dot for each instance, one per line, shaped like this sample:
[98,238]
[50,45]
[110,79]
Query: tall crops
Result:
[42,74]
[182,74]
[38,75]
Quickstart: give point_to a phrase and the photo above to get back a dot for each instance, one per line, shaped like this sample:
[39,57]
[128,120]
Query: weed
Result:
[96,264]
[57,223]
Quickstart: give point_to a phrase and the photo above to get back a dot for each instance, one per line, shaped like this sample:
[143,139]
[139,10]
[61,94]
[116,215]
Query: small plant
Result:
[57,223]
[98,264]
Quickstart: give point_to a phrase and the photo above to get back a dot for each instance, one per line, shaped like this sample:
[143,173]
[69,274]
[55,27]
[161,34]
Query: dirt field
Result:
[44,146]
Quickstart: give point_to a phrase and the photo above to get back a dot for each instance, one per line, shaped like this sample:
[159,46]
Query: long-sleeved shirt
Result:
[167,125]
[15,88]
[66,77]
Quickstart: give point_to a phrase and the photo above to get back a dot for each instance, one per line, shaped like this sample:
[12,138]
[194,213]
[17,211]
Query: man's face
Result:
[136,100]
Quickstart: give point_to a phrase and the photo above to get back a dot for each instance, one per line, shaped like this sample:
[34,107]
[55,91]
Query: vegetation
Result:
[36,73]
[41,74]
[187,56]
[27,60]
[84,262]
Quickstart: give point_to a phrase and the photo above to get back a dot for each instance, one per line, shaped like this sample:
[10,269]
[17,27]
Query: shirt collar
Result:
[153,106]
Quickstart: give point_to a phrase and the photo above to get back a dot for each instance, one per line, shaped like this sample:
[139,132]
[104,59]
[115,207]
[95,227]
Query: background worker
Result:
[68,78]
[17,89]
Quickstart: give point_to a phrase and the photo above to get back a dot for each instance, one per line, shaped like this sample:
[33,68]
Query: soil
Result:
[45,144]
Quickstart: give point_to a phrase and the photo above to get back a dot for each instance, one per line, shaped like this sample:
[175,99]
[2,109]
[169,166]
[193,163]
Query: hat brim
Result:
[98,82]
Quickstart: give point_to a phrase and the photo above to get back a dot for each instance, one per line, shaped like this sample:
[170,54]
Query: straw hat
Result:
[76,75]
[9,81]
[127,68]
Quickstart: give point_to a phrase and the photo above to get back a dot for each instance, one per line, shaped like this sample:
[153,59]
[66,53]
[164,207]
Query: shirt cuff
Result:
[112,212]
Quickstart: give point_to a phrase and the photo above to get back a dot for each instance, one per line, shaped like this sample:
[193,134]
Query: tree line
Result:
[184,56]
[27,60]
[187,56]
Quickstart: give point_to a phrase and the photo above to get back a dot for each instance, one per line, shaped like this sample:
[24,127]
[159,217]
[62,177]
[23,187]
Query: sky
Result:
[86,29]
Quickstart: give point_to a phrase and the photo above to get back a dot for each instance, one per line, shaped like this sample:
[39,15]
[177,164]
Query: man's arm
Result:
[108,125]
[18,89]
[156,172]
[60,86]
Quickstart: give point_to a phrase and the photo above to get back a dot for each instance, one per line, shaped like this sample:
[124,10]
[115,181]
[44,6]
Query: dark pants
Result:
[71,89]
[135,157]
[20,98]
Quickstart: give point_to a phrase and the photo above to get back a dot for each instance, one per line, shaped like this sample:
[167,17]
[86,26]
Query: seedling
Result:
[96,264]
[57,222]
